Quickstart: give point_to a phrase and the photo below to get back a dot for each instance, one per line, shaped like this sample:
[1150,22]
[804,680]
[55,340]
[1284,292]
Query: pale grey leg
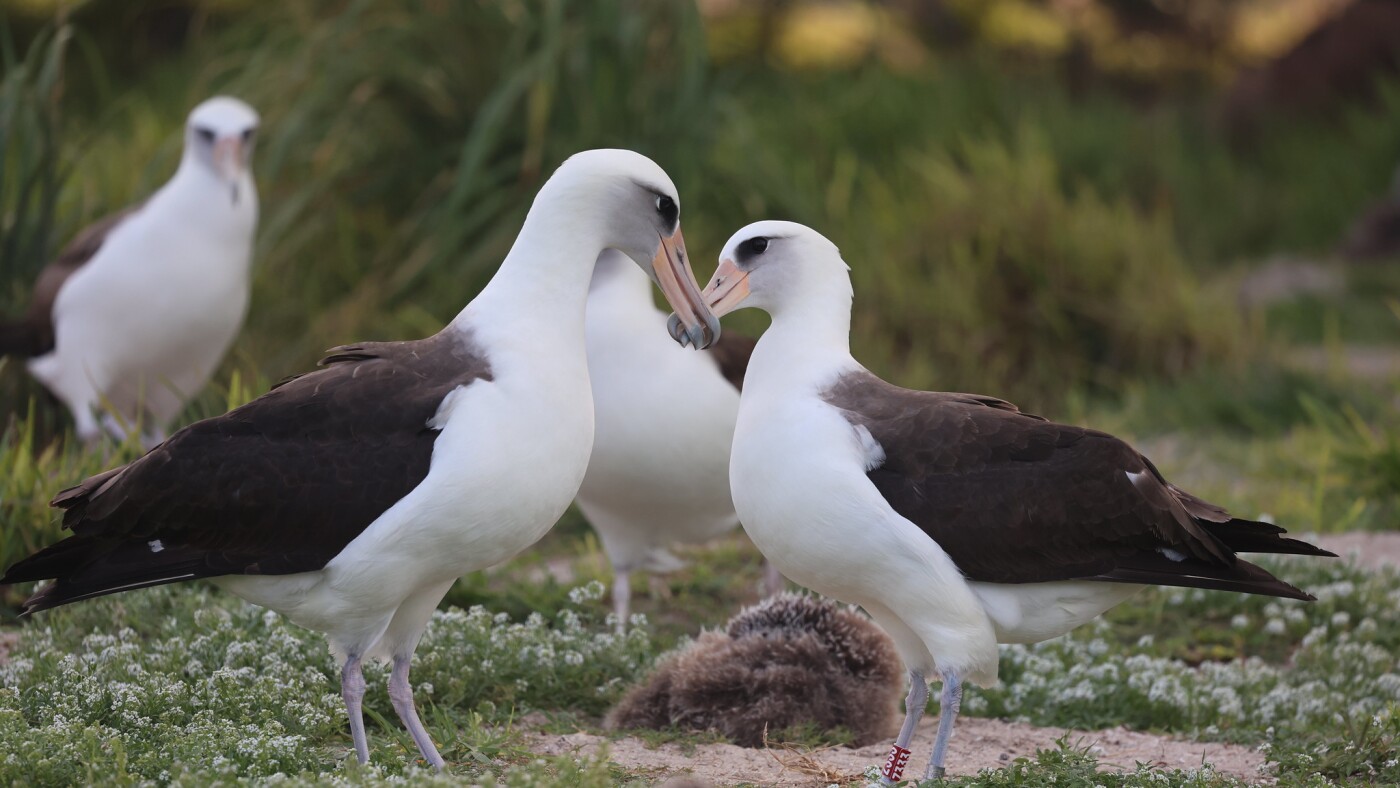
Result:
[893,770]
[622,598]
[772,579]
[401,695]
[948,705]
[352,691]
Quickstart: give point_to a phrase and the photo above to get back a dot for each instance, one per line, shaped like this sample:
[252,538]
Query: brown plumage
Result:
[33,334]
[1014,498]
[731,352]
[278,486]
[792,660]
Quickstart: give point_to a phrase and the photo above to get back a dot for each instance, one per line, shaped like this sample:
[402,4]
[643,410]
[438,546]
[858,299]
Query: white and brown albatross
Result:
[133,316]
[955,520]
[350,498]
[635,495]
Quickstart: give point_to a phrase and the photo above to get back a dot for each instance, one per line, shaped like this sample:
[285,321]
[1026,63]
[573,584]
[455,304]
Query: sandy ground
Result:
[1286,278]
[977,744]
[1358,361]
[1371,550]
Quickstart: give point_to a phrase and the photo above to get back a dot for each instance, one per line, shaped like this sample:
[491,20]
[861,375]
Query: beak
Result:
[692,323]
[727,288]
[228,160]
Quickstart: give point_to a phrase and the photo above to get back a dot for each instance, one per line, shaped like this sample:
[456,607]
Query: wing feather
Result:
[277,486]
[1014,498]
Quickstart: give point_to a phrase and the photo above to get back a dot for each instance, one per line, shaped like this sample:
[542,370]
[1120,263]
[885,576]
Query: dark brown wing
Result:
[1013,498]
[732,353]
[33,334]
[277,486]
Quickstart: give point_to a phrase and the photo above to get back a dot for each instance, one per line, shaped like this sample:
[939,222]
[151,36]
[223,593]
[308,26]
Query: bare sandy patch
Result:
[977,744]
[1371,550]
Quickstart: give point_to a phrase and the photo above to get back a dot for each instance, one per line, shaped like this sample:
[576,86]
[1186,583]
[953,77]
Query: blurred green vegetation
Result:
[1077,247]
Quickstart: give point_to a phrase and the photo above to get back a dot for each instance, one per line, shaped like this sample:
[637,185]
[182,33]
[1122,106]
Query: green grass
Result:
[188,682]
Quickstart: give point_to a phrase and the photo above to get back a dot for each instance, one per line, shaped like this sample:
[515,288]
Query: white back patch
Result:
[445,408]
[1135,478]
[1175,555]
[155,545]
[871,448]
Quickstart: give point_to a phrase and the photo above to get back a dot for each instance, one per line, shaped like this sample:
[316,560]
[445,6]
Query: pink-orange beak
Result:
[727,288]
[228,160]
[693,323]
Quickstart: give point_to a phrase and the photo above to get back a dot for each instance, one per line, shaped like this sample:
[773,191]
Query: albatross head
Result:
[219,135]
[638,209]
[773,265]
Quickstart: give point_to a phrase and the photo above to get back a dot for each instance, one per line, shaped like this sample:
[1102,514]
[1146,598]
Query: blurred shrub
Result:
[33,166]
[1016,286]
[405,141]
[976,269]
[31,155]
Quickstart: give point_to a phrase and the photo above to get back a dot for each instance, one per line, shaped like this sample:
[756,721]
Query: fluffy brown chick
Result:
[791,660]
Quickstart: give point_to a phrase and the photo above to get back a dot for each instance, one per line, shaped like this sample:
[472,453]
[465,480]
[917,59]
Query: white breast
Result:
[659,471]
[150,317]
[799,480]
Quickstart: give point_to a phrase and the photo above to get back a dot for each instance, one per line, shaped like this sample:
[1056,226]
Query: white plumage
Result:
[141,326]
[654,404]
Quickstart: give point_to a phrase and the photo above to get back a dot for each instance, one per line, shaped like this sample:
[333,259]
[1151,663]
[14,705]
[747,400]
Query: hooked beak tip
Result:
[692,323]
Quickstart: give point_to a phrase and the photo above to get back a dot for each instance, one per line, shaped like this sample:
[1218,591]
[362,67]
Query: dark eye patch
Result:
[248,135]
[750,249]
[205,134]
[666,207]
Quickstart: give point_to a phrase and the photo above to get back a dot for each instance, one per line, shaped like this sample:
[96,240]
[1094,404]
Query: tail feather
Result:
[87,567]
[18,338]
[1248,536]
[1242,577]
[56,560]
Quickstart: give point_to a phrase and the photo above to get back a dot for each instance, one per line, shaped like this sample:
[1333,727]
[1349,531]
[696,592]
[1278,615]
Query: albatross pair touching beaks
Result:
[955,520]
[351,498]
[137,311]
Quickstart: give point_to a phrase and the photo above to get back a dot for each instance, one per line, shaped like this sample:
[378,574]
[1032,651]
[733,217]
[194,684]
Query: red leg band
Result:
[895,763]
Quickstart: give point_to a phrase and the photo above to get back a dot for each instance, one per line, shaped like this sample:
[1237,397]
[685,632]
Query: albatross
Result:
[350,498]
[956,521]
[132,317]
[635,495]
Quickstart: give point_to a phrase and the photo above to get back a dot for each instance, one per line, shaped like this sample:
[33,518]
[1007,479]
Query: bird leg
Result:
[352,691]
[622,598]
[772,579]
[401,695]
[948,704]
[893,770]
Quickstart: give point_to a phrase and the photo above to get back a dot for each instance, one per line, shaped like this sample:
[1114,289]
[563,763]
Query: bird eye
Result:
[667,208]
[756,245]
[205,134]
[248,135]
